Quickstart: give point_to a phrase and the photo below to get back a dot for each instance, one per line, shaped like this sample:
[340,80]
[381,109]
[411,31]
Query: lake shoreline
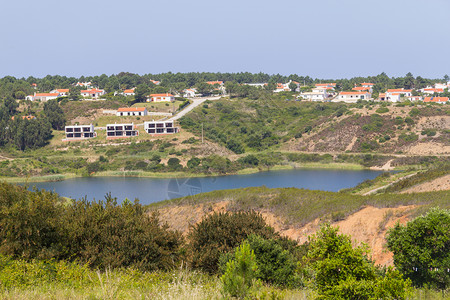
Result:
[168,175]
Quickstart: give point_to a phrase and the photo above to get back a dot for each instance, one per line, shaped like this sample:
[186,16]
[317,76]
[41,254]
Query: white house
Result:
[76,132]
[190,93]
[155,82]
[401,91]
[92,93]
[261,85]
[61,92]
[42,96]
[431,91]
[281,87]
[352,97]
[160,127]
[84,84]
[415,98]
[129,92]
[121,130]
[161,97]
[132,111]
[436,99]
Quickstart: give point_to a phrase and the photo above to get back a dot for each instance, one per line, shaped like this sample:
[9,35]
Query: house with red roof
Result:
[156,82]
[431,91]
[129,92]
[161,97]
[190,93]
[92,93]
[394,95]
[436,99]
[352,97]
[61,92]
[43,97]
[132,111]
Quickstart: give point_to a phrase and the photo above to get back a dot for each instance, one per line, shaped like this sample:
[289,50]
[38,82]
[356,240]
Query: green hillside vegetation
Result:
[76,249]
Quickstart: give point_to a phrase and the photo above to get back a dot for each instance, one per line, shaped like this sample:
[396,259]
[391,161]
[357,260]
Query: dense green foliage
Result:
[99,233]
[220,233]
[344,272]
[246,125]
[421,248]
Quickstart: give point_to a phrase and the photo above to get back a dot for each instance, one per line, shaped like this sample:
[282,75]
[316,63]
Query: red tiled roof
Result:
[214,82]
[434,90]
[353,93]
[129,91]
[399,91]
[367,83]
[63,90]
[122,109]
[161,95]
[46,95]
[436,99]
[91,91]
[360,88]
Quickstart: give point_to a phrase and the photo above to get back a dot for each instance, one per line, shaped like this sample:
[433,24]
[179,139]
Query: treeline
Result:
[31,131]
[20,87]
[240,247]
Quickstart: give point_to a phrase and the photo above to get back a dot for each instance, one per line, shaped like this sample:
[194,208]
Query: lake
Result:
[149,190]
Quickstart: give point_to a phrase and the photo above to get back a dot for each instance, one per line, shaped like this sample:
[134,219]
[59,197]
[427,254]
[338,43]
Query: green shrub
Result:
[382,110]
[429,132]
[220,233]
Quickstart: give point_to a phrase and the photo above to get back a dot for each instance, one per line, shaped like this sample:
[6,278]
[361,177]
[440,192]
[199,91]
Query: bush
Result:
[421,248]
[220,233]
[344,272]
[382,110]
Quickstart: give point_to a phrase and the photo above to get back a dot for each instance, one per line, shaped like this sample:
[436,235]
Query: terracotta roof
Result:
[367,83]
[129,91]
[399,91]
[360,88]
[353,93]
[122,109]
[161,95]
[91,91]
[46,95]
[434,90]
[325,84]
[25,117]
[214,82]
[436,99]
[63,90]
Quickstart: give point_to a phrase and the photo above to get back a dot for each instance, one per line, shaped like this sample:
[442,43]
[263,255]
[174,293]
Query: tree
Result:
[141,92]
[204,88]
[193,162]
[421,248]
[446,78]
[55,114]
[344,272]
[293,86]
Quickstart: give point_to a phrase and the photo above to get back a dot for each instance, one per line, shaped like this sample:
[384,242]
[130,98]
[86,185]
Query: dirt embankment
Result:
[438,184]
[369,225]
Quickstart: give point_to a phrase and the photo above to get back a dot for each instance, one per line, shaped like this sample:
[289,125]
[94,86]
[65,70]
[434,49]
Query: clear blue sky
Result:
[319,38]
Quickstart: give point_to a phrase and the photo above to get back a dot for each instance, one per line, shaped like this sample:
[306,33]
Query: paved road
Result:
[195,102]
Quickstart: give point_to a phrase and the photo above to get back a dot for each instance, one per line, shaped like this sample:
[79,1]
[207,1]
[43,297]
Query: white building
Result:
[156,82]
[92,93]
[161,97]
[352,97]
[132,111]
[61,92]
[76,132]
[121,130]
[84,84]
[129,92]
[190,93]
[401,91]
[43,97]
[160,127]
[431,91]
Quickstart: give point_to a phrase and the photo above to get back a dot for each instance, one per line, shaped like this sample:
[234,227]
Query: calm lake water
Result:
[149,190]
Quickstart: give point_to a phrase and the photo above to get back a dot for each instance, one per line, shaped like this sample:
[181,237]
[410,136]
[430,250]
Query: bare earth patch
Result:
[438,184]
[369,225]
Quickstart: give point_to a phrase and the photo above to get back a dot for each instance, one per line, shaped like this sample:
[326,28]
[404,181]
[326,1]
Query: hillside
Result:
[297,213]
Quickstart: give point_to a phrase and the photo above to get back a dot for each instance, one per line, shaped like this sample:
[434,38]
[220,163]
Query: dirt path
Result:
[438,184]
[385,186]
